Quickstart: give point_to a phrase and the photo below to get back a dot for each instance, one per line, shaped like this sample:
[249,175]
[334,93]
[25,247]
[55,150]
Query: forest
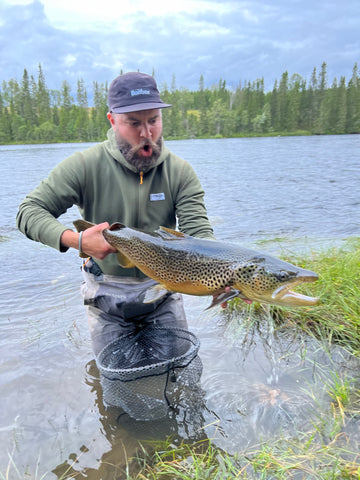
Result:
[30,112]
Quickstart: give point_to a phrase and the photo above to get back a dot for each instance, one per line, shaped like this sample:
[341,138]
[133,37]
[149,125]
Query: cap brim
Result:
[140,106]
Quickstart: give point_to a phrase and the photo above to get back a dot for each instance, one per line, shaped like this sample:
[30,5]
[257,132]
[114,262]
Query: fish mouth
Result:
[284,296]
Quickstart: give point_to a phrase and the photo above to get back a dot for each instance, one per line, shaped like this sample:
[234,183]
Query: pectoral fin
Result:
[223,297]
[154,293]
[124,261]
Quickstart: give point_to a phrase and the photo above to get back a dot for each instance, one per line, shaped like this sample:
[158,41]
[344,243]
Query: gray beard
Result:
[132,156]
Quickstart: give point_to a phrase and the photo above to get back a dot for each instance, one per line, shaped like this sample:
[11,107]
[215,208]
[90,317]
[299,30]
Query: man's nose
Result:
[145,130]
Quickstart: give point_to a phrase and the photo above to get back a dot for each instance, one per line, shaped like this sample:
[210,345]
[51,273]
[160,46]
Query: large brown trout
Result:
[194,266]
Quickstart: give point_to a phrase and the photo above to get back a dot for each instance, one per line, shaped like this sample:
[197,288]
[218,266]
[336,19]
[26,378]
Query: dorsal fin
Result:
[116,226]
[170,234]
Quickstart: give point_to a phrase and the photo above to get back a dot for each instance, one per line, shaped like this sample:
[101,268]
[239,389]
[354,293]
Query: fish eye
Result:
[283,275]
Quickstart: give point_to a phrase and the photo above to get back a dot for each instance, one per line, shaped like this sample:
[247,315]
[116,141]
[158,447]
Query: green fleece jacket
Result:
[106,188]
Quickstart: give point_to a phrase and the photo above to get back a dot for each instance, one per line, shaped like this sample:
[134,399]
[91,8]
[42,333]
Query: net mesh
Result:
[143,373]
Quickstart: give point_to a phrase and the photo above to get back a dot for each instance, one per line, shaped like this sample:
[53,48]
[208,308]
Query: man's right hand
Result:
[93,242]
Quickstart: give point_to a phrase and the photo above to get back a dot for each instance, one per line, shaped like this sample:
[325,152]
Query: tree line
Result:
[32,113]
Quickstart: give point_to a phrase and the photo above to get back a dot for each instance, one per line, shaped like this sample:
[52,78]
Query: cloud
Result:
[82,15]
[233,40]
[70,60]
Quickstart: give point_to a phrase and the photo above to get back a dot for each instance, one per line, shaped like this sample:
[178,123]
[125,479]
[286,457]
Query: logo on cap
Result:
[139,91]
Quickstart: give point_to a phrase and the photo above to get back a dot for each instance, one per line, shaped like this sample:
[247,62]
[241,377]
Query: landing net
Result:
[143,373]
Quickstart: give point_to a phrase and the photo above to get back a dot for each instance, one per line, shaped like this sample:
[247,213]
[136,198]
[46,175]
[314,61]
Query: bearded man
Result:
[131,178]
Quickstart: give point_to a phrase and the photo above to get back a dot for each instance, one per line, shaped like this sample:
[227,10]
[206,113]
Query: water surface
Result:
[256,383]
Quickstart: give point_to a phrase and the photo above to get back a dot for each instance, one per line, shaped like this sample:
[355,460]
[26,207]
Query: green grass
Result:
[304,458]
[337,317]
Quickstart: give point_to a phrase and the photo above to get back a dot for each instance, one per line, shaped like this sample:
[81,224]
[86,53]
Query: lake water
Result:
[286,192]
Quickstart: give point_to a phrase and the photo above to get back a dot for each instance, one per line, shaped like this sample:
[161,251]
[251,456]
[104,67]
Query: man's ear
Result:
[110,116]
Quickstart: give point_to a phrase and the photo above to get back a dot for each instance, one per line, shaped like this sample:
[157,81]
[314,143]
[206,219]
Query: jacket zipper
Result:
[141,174]
[139,207]
[138,215]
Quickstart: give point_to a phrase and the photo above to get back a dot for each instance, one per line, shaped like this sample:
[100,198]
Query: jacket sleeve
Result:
[38,212]
[190,206]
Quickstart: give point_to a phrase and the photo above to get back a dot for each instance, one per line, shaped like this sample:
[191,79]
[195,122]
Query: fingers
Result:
[94,244]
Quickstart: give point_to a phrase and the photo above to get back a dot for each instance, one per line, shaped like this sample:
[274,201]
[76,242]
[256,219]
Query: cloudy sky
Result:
[234,40]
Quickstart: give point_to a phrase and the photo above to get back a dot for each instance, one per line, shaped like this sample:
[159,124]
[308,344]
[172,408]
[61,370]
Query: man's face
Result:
[138,135]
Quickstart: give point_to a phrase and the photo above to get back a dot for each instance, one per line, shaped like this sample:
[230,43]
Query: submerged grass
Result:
[12,472]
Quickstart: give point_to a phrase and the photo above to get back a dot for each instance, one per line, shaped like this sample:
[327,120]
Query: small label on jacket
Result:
[155,197]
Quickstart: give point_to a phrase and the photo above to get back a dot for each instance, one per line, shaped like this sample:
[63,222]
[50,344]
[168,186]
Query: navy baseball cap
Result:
[132,92]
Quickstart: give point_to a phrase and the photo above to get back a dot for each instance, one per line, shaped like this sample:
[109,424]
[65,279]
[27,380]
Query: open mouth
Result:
[283,295]
[146,150]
